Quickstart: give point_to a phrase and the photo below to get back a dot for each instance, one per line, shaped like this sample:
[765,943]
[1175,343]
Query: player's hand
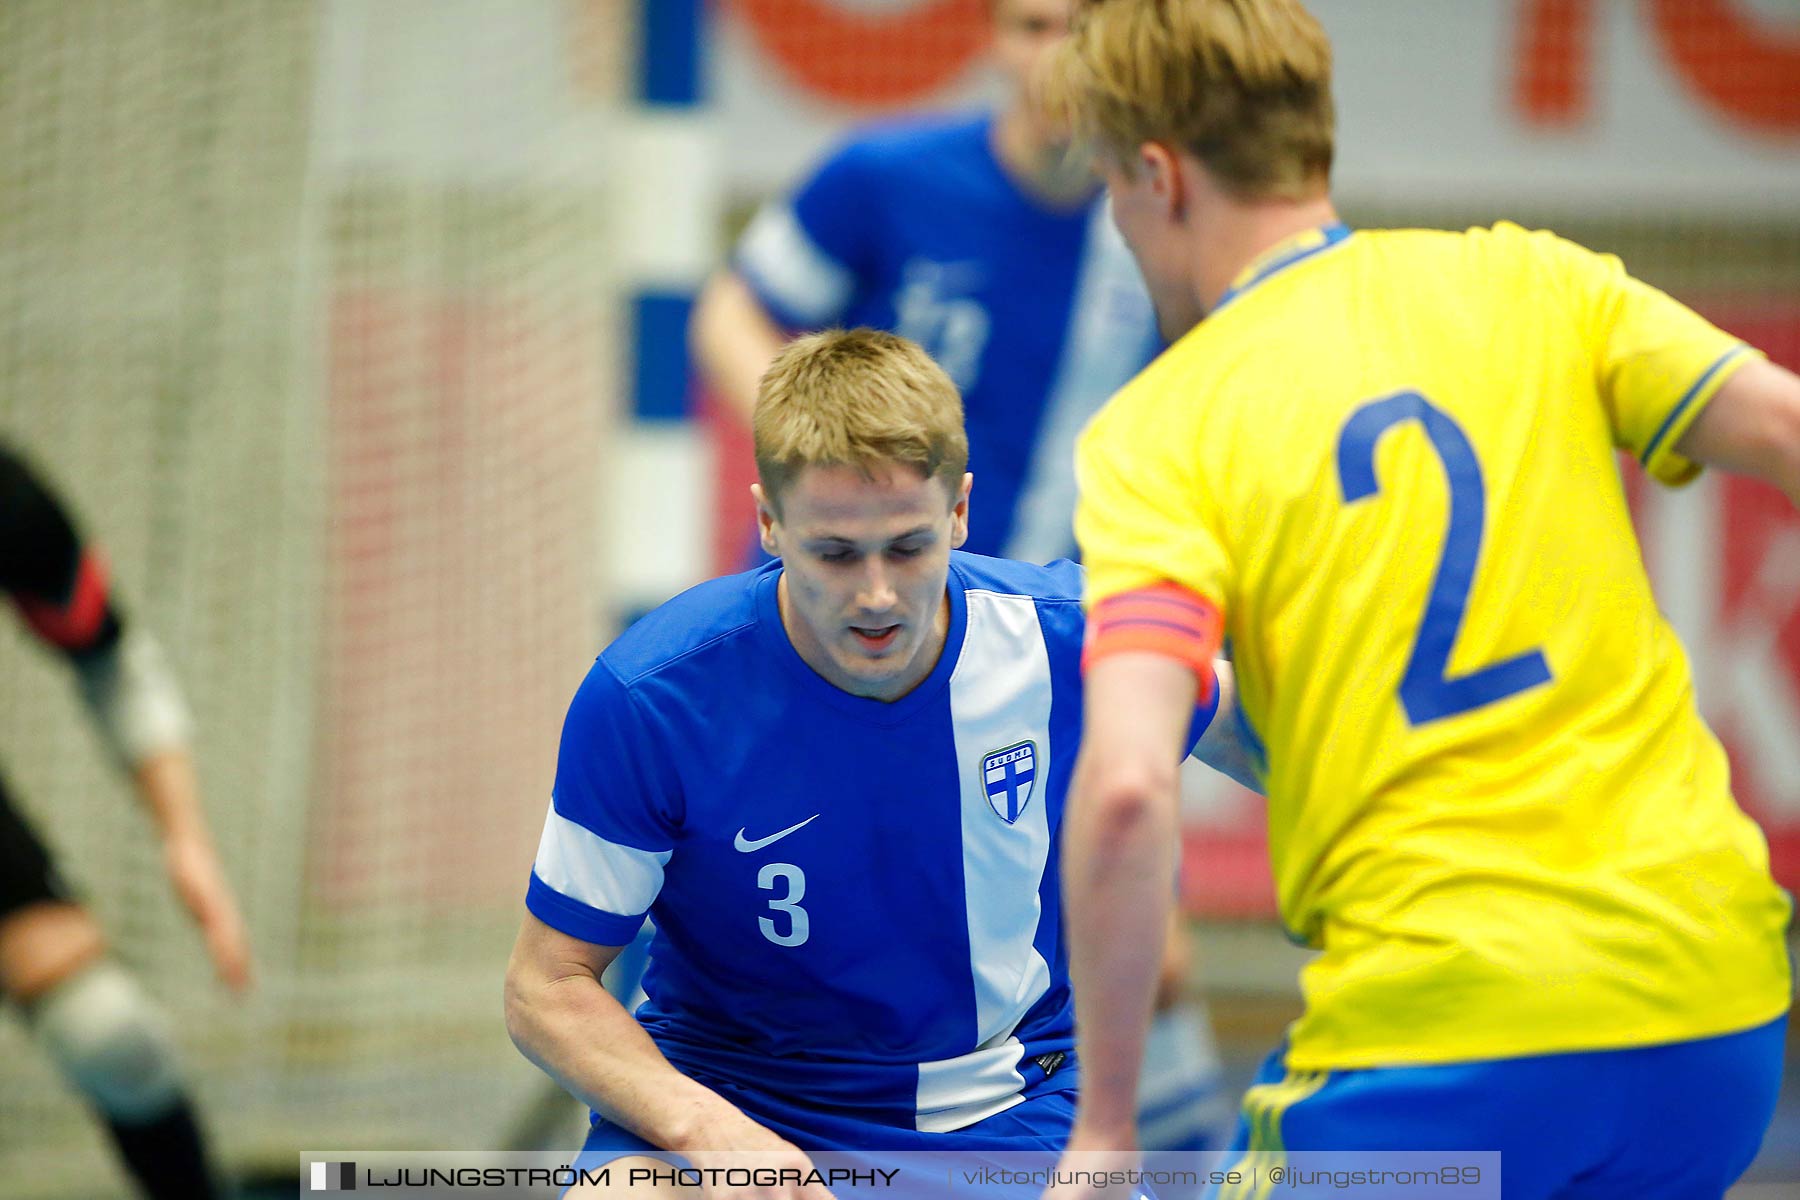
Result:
[761,1151]
[194,871]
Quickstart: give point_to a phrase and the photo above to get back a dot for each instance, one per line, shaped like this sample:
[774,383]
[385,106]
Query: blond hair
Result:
[856,398]
[1242,85]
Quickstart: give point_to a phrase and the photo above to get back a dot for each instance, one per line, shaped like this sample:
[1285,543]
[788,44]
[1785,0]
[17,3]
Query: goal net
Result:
[307,311]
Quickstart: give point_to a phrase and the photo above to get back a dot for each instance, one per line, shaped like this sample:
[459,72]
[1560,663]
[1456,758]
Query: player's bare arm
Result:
[564,1021]
[1119,848]
[733,338]
[1752,427]
[138,708]
[165,782]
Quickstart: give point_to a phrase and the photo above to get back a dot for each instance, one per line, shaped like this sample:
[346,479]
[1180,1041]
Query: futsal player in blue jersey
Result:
[836,783]
[983,239]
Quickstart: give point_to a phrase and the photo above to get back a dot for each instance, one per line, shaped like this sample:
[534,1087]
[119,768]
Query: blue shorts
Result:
[1680,1121]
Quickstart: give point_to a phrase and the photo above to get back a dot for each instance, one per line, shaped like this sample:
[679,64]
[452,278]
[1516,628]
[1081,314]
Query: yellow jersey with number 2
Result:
[1389,459]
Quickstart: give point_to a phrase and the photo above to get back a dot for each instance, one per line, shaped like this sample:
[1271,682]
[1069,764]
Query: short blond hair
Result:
[856,398]
[1242,85]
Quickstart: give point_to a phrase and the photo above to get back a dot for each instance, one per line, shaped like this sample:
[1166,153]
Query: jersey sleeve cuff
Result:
[577,919]
[798,282]
[1660,458]
[782,314]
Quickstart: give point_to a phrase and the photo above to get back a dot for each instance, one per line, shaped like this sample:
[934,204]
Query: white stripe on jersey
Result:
[1107,341]
[957,1092]
[1000,697]
[779,256]
[584,866]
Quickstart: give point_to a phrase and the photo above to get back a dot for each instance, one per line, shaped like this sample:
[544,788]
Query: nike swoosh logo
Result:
[747,846]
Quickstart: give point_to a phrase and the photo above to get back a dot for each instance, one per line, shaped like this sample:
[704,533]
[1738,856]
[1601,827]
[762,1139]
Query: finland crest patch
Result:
[1008,775]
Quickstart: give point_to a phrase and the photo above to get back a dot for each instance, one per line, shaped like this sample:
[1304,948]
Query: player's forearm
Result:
[165,782]
[579,1035]
[733,339]
[1118,856]
[167,786]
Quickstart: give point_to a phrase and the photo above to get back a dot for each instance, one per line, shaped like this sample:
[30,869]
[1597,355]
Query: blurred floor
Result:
[1249,973]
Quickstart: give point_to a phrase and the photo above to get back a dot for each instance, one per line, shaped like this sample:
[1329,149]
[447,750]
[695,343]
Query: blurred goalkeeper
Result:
[105,1034]
[1383,464]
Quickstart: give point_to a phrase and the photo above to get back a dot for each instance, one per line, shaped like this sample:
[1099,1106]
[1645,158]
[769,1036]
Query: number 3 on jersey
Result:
[1427,691]
[799,925]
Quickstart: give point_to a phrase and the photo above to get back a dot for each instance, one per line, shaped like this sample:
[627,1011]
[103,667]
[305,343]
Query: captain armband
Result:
[1164,618]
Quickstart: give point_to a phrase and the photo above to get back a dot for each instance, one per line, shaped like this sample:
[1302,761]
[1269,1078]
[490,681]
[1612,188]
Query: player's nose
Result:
[877,593]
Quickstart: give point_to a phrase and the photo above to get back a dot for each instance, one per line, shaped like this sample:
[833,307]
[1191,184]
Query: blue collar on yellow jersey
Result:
[1283,255]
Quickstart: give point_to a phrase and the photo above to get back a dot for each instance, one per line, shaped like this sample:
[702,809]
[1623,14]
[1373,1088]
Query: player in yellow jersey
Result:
[1381,467]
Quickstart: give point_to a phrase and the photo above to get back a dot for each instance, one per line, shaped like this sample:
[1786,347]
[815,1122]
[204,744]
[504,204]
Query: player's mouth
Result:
[874,639]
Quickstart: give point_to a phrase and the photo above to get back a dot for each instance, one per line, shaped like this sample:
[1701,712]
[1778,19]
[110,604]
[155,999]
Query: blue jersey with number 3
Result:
[856,902]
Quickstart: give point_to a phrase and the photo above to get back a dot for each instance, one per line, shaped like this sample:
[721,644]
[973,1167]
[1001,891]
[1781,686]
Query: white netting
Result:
[307,310]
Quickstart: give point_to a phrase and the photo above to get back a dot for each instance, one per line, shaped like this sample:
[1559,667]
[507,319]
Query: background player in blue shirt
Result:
[982,238]
[836,783]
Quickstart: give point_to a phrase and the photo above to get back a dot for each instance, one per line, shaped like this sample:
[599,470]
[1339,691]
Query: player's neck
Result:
[1043,168]
[1233,234]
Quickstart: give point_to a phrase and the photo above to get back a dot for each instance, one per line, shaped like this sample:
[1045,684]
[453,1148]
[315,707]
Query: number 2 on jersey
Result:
[1427,690]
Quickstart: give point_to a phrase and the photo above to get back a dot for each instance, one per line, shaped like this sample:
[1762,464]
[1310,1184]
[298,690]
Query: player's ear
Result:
[1159,162]
[765,520]
[959,512]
